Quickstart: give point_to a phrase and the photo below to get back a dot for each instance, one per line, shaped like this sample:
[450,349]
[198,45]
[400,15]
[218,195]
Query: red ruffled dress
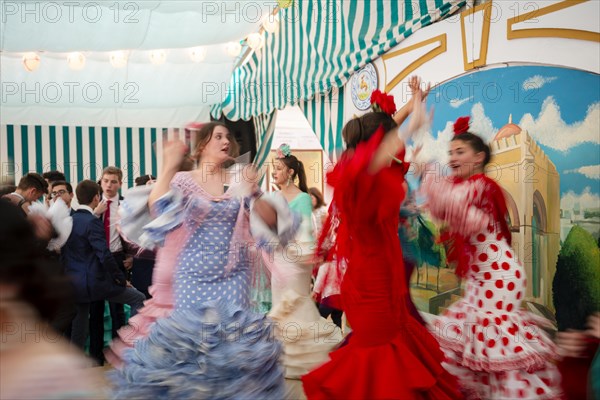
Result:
[389,354]
[496,349]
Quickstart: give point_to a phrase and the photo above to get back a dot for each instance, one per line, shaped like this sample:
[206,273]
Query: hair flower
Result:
[284,151]
[382,102]
[461,125]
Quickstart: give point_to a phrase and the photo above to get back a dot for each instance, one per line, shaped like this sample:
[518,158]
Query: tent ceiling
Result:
[139,94]
[111,25]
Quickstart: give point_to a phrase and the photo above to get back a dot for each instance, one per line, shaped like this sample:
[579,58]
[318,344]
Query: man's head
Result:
[88,193]
[32,186]
[111,181]
[63,190]
[53,176]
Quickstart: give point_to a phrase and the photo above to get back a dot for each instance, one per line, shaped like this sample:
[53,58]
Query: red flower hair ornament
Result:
[382,102]
[461,125]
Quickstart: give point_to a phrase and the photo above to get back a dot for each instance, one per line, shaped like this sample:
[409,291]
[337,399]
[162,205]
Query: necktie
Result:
[107,222]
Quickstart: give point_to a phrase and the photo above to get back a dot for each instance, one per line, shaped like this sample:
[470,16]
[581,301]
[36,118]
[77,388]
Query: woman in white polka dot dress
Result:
[211,346]
[495,348]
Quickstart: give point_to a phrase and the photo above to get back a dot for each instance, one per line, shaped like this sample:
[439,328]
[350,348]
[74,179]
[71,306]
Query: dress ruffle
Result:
[59,216]
[288,223]
[327,287]
[484,341]
[211,352]
[407,367]
[138,328]
[307,337]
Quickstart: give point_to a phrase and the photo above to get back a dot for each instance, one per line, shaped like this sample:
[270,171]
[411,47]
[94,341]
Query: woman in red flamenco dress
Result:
[389,355]
[494,348]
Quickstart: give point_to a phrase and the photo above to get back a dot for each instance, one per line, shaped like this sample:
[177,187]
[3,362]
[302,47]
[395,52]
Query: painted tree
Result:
[576,285]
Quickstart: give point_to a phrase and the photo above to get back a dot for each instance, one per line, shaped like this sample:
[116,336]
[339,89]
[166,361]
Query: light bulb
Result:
[118,59]
[31,61]
[233,48]
[271,23]
[76,61]
[198,54]
[158,57]
[255,41]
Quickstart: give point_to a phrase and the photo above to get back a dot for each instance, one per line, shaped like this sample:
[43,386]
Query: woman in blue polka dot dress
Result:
[211,346]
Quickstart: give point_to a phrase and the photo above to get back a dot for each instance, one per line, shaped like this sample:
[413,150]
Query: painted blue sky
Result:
[559,107]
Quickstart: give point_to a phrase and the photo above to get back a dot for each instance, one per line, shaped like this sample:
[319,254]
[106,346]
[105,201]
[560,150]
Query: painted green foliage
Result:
[576,285]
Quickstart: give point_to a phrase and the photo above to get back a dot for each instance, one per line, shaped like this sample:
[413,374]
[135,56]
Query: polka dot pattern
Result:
[200,274]
[493,354]
[542,384]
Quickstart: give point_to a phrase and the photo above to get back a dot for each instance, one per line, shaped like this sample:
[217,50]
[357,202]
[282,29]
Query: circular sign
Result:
[363,83]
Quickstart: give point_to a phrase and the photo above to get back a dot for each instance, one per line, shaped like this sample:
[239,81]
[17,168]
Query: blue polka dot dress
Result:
[212,346]
[200,275]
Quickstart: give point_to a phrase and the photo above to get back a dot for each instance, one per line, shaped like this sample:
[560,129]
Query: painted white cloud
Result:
[435,149]
[455,103]
[550,130]
[590,171]
[481,124]
[585,199]
[537,81]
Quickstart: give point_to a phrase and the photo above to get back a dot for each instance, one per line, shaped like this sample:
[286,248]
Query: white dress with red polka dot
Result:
[495,348]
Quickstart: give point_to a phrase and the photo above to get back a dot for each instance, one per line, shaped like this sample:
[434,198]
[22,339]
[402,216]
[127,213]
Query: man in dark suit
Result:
[107,210]
[90,264]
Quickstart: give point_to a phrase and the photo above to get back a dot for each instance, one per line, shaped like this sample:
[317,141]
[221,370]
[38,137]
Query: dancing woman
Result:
[307,337]
[211,345]
[496,349]
[390,355]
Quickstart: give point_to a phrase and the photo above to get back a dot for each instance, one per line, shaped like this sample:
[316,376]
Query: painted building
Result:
[532,188]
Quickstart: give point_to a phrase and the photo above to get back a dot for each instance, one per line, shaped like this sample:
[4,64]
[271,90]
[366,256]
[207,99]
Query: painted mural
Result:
[543,127]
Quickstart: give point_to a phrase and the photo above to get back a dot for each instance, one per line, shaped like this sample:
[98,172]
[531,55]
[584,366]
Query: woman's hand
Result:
[593,325]
[571,343]
[414,84]
[174,152]
[419,116]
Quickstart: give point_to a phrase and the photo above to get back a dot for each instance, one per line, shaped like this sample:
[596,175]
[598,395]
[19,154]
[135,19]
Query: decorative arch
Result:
[539,211]
[513,212]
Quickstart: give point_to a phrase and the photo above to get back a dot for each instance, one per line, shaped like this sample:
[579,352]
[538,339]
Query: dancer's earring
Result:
[289,181]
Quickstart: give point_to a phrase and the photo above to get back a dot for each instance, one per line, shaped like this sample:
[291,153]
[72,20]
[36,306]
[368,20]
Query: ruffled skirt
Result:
[216,351]
[496,349]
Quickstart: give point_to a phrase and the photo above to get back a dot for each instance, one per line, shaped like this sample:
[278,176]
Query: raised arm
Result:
[394,141]
[173,156]
[414,84]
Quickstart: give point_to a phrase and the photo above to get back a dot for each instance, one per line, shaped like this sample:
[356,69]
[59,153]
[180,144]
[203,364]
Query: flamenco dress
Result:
[389,354]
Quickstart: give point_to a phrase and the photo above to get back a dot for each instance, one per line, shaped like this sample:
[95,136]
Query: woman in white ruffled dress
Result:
[307,337]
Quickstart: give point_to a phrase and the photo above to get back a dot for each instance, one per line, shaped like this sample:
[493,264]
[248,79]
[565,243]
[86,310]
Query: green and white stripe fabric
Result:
[81,152]
[264,126]
[319,45]
[326,111]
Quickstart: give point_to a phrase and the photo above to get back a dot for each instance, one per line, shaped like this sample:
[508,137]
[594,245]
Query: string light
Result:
[158,57]
[198,54]
[233,48]
[118,59]
[76,61]
[271,23]
[255,41]
[31,61]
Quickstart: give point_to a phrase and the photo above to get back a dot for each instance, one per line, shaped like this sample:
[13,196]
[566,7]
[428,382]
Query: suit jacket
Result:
[88,261]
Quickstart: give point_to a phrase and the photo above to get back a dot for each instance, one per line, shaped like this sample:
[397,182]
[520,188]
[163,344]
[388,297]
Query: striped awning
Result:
[319,45]
[82,152]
